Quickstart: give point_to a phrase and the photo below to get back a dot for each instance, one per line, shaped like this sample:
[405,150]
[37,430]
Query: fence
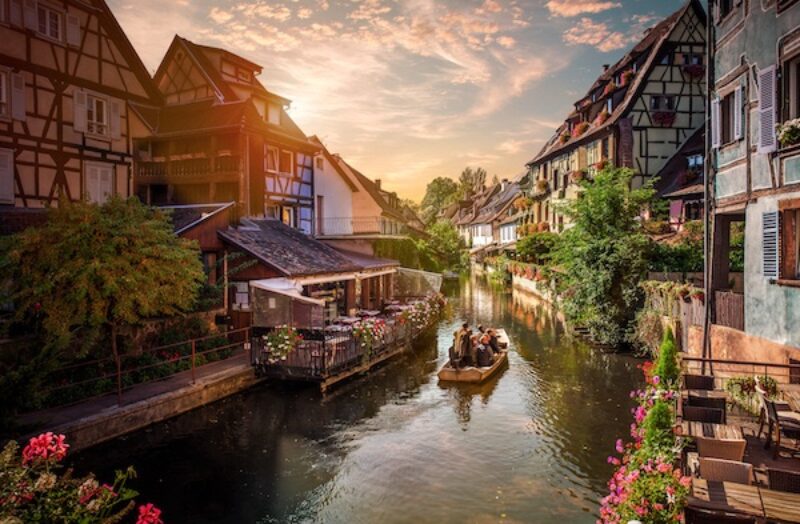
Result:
[729,309]
[98,377]
[723,370]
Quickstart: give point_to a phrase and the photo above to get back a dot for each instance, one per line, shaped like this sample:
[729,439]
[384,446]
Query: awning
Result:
[324,279]
[285,287]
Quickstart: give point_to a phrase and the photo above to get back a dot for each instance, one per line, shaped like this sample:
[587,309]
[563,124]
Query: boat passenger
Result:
[461,336]
[493,342]
[485,357]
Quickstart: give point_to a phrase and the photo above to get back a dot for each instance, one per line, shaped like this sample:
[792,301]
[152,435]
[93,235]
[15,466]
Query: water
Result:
[529,446]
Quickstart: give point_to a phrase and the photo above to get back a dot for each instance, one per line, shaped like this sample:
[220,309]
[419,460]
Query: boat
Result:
[476,375]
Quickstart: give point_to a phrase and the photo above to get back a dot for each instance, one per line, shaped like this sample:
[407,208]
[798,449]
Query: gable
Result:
[180,79]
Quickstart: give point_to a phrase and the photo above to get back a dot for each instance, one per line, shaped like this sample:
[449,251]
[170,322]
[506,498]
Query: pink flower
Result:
[619,447]
[46,446]
[656,379]
[149,514]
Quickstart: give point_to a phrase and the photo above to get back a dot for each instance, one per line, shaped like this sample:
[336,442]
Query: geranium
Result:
[47,447]
[279,343]
[149,514]
[602,117]
[580,129]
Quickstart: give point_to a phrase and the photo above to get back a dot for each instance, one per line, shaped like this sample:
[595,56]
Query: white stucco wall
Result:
[337,200]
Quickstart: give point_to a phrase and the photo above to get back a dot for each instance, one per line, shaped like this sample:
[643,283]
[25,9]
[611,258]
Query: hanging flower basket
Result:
[280,343]
[664,118]
[580,129]
[695,71]
[789,133]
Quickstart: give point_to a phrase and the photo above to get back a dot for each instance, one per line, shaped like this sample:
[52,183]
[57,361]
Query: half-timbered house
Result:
[754,180]
[72,92]
[636,114]
[222,136]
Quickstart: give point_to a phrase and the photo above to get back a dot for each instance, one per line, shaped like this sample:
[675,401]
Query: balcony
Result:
[374,226]
[189,170]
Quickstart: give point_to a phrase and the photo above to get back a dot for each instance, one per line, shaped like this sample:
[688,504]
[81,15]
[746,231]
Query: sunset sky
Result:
[408,90]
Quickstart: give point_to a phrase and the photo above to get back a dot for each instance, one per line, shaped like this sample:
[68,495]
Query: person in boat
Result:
[494,343]
[485,355]
[481,329]
[460,344]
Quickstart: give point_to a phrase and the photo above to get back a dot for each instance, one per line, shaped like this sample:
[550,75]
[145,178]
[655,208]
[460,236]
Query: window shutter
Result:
[90,183]
[15,13]
[29,14]
[115,118]
[73,30]
[18,111]
[738,124]
[767,140]
[770,227]
[6,176]
[716,127]
[79,111]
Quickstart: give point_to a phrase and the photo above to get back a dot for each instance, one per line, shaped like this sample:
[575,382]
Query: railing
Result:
[189,167]
[359,226]
[99,377]
[729,309]
[723,370]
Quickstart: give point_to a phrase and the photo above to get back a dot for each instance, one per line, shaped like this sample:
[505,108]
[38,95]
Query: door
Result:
[98,182]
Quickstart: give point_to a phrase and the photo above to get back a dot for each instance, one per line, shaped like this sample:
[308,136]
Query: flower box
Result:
[564,138]
[610,87]
[789,133]
[695,71]
[602,118]
[577,176]
[580,129]
[627,76]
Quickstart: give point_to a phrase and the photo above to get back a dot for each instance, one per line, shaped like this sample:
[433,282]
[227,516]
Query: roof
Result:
[643,53]
[285,249]
[189,216]
[368,262]
[203,116]
[17,219]
[672,176]
[373,190]
[694,189]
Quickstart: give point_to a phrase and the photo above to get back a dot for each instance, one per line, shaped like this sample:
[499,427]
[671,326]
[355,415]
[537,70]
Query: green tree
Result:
[538,247]
[446,242]
[471,181]
[92,270]
[440,193]
[603,257]
[667,368]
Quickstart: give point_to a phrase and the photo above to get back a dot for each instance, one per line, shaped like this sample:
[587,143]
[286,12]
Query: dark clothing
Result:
[485,356]
[494,344]
[465,349]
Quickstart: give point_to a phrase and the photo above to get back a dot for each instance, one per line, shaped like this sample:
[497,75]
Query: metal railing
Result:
[99,377]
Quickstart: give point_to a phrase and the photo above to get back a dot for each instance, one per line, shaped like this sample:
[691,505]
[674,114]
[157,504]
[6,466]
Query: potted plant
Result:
[544,226]
[580,129]
[610,87]
[578,176]
[280,342]
[789,132]
[699,294]
[626,77]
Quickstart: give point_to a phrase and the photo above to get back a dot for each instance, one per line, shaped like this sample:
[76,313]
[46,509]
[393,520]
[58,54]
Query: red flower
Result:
[149,514]
[46,446]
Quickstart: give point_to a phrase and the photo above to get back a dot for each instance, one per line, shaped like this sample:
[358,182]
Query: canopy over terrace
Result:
[279,301]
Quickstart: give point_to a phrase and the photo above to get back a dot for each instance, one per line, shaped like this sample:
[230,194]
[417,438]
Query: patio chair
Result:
[714,403]
[698,516]
[721,470]
[704,382]
[783,480]
[698,414]
[780,426]
[721,449]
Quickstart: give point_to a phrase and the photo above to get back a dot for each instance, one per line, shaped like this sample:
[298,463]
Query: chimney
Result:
[503,184]
[605,67]
[378,183]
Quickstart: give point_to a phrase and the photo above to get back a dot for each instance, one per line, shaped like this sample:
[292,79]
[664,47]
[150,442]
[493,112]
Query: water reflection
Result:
[527,446]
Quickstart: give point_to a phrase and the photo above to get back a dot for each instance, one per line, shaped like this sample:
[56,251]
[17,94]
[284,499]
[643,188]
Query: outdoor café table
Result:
[709,430]
[780,506]
[348,320]
[726,496]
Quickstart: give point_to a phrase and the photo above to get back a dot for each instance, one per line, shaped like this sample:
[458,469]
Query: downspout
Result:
[708,222]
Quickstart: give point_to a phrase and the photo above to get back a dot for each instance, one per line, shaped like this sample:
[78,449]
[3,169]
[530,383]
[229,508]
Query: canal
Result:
[395,446]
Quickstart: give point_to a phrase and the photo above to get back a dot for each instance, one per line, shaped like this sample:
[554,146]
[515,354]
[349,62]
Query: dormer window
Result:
[695,162]
[274,114]
[243,75]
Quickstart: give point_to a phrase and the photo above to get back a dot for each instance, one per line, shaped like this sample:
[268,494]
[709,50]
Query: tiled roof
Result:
[368,262]
[648,48]
[188,216]
[671,177]
[287,250]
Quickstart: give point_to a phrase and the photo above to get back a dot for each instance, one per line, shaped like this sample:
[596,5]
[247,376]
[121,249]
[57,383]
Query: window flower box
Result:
[610,87]
[789,133]
[626,77]
[602,118]
[664,118]
[695,71]
[580,129]
[564,138]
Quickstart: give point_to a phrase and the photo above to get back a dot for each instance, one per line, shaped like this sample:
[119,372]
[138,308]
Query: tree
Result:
[603,257]
[537,248]
[91,271]
[446,241]
[440,193]
[471,181]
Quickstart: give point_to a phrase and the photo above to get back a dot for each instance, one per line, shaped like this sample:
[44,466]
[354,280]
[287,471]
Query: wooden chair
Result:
[704,382]
[699,414]
[698,516]
[783,480]
[714,403]
[779,426]
[721,449]
[721,470]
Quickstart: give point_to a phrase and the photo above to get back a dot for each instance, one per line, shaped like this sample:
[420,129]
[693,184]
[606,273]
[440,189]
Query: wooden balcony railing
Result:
[188,167]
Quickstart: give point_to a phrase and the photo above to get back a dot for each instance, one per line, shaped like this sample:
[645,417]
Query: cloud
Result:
[597,35]
[569,8]
[506,41]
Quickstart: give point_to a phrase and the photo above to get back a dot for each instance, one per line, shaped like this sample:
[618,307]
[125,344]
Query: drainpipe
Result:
[708,221]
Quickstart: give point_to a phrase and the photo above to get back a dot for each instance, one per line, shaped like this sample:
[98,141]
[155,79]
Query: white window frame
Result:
[241,296]
[271,149]
[94,126]
[112,173]
[273,113]
[288,216]
[48,11]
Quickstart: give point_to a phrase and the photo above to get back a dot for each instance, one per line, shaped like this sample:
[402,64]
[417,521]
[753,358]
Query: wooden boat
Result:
[476,375]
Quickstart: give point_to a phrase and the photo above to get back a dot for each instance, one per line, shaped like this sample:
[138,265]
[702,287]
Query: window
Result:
[4,98]
[274,114]
[98,182]
[666,58]
[695,161]
[241,296]
[288,216]
[725,8]
[96,115]
[726,119]
[662,103]
[789,224]
[692,59]
[791,77]
[50,23]
[6,176]
[271,159]
[287,162]
[272,212]
[243,75]
[320,163]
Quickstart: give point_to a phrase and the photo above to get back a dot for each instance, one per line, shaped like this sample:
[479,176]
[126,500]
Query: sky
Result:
[409,90]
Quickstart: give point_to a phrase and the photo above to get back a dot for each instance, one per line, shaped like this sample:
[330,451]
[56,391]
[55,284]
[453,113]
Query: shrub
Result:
[657,425]
[537,247]
[667,369]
